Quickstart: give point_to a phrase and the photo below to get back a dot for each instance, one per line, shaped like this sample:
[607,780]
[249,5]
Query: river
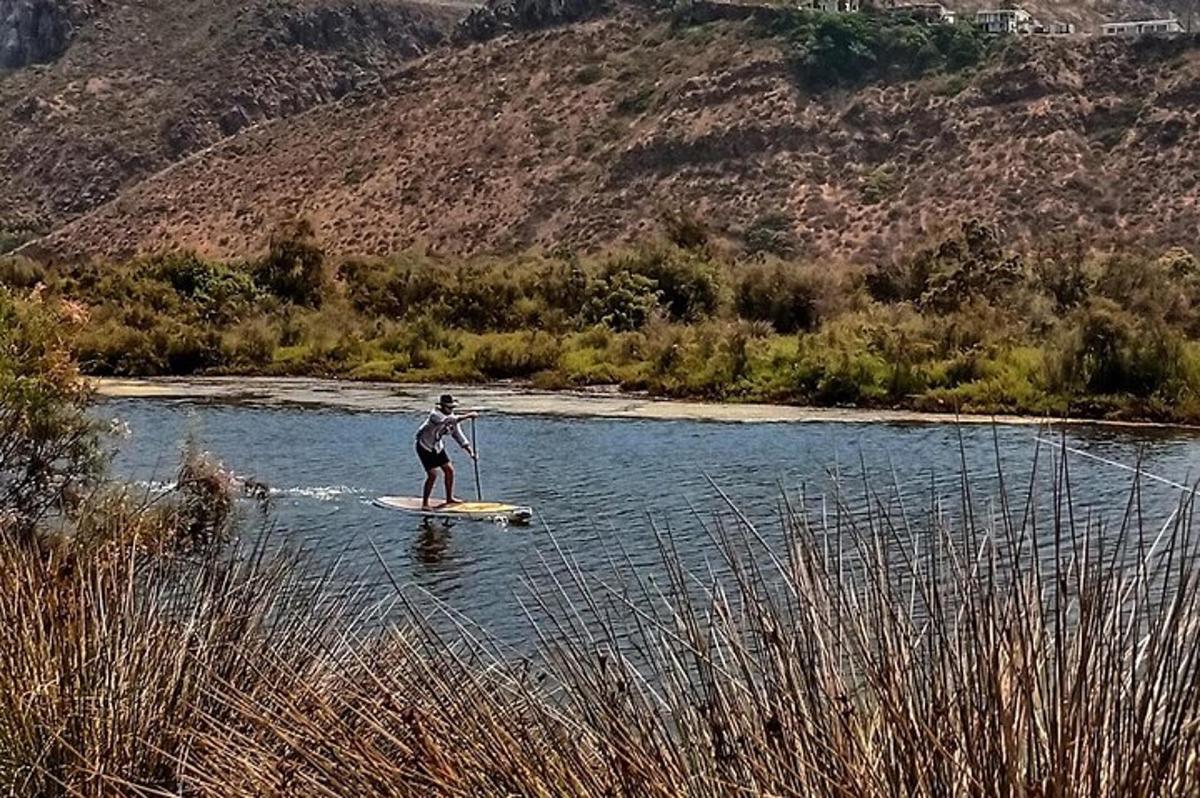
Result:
[600,475]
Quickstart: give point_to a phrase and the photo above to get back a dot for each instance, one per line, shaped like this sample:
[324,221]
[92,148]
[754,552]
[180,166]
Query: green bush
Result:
[21,273]
[772,233]
[850,49]
[1109,351]
[688,283]
[220,292]
[13,237]
[778,293]
[516,355]
[621,300]
[49,445]
[970,264]
[294,266]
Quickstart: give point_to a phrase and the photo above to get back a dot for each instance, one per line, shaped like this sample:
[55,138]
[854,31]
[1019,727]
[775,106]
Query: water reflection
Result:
[432,545]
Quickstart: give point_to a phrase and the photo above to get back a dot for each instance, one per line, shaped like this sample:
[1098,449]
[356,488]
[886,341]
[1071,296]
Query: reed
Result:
[864,648]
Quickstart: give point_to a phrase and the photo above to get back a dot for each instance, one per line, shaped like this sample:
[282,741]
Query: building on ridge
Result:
[1143,27]
[1005,20]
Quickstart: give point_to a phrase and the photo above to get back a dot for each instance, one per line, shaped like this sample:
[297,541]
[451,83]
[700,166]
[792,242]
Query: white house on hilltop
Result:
[833,6]
[1005,20]
[1141,27]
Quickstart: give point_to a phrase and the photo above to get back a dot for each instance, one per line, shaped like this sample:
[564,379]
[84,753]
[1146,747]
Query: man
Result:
[432,450]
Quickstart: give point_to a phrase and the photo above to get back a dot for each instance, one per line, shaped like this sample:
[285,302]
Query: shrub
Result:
[1108,351]
[849,49]
[879,184]
[688,284]
[48,443]
[779,293]
[685,229]
[221,293]
[250,343]
[13,237]
[21,273]
[294,266]
[969,264]
[516,355]
[772,233]
[621,300]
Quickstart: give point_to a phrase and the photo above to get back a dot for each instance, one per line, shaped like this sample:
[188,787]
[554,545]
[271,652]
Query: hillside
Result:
[585,134]
[100,94]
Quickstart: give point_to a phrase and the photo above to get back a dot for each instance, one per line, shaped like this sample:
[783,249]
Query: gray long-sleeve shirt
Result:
[431,432]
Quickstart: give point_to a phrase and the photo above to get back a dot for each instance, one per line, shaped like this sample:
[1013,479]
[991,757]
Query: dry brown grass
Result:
[878,652]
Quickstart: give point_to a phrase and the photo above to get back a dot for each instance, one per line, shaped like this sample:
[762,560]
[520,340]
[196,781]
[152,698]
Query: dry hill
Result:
[99,94]
[585,134]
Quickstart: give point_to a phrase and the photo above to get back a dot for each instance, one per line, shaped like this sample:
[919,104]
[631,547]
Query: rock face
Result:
[32,32]
[497,17]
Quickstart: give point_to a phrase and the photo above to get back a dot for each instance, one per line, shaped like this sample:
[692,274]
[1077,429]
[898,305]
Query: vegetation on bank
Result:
[144,651]
[963,323]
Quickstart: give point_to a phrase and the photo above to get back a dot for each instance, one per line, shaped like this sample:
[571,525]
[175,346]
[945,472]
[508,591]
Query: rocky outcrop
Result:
[32,32]
[350,24]
[502,16]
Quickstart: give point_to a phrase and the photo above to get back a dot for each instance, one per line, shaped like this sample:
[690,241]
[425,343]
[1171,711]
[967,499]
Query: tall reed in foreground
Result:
[876,651]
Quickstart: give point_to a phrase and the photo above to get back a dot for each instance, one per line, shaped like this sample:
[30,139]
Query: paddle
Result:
[475,443]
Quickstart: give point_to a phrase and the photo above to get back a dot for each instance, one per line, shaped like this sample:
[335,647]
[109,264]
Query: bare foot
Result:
[455,500]
[425,507]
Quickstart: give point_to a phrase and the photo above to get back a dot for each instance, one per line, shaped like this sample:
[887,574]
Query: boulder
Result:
[32,32]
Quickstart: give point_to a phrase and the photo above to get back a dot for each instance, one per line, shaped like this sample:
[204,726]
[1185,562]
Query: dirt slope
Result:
[583,135]
[142,84]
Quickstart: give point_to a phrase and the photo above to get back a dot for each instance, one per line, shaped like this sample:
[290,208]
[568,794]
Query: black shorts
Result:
[431,460]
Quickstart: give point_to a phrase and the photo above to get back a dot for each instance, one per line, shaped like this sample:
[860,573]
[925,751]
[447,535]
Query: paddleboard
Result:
[473,511]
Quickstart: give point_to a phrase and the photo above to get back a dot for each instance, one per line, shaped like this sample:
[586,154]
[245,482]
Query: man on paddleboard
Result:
[431,449]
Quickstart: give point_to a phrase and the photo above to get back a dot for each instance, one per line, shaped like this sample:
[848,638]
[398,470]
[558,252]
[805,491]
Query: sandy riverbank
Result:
[394,398]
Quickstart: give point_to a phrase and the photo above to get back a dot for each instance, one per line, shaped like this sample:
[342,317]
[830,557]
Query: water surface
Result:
[601,486]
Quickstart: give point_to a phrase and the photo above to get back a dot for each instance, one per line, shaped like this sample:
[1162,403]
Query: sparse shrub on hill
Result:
[685,229]
[501,16]
[772,233]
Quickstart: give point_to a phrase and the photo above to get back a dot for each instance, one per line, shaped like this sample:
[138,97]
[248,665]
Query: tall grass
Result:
[879,650]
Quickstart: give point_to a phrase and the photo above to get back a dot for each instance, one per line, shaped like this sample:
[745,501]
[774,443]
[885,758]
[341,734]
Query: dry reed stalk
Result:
[874,652]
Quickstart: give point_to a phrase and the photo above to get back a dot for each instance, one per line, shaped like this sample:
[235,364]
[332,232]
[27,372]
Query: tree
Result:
[49,446]
[294,267]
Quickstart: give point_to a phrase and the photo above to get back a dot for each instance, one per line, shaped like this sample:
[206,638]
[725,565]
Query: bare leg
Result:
[448,470]
[430,481]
